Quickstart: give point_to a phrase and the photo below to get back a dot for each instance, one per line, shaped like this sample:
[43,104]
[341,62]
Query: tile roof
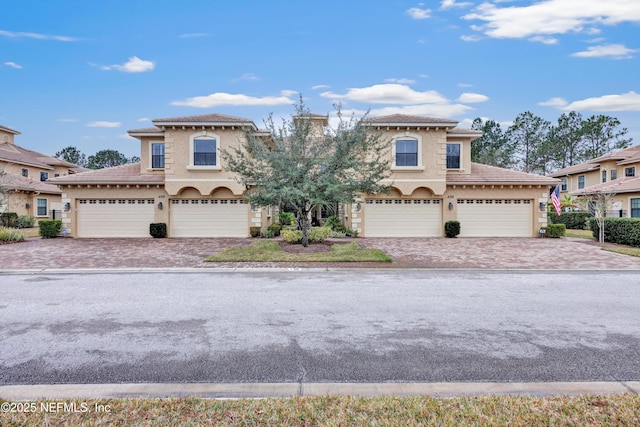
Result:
[570,170]
[403,119]
[15,154]
[6,129]
[125,174]
[464,132]
[203,118]
[621,185]
[146,131]
[18,182]
[618,155]
[485,174]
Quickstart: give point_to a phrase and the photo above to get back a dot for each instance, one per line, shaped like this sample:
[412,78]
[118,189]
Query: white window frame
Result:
[584,182]
[151,143]
[402,137]
[46,208]
[204,135]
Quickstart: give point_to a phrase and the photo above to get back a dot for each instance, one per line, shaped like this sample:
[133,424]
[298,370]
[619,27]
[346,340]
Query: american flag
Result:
[555,199]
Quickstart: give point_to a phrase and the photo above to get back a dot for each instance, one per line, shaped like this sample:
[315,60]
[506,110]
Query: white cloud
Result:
[629,101]
[316,87]
[388,94]
[417,13]
[67,120]
[554,102]
[13,65]
[448,4]
[289,93]
[144,119]
[464,85]
[220,98]
[544,40]
[14,34]
[424,76]
[615,51]
[247,76]
[400,81]
[432,110]
[125,136]
[549,17]
[104,124]
[471,98]
[471,38]
[133,65]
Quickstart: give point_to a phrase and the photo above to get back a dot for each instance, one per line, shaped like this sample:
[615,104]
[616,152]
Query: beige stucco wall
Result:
[6,137]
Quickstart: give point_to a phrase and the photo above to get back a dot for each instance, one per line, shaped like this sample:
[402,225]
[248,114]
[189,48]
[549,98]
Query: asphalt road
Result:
[301,326]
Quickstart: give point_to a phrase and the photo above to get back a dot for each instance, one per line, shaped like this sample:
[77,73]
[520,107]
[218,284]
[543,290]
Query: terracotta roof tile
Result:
[6,129]
[15,154]
[571,170]
[403,119]
[618,155]
[203,118]
[125,174]
[146,130]
[18,182]
[485,174]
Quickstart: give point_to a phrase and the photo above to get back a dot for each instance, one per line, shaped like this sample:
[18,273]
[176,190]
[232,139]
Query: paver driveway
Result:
[503,253]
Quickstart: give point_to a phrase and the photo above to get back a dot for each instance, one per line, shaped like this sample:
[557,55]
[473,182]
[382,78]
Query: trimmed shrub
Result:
[26,221]
[318,234]
[255,231]
[291,236]
[451,228]
[624,231]
[268,234]
[158,230]
[274,229]
[554,230]
[351,232]
[572,220]
[9,219]
[50,228]
[10,235]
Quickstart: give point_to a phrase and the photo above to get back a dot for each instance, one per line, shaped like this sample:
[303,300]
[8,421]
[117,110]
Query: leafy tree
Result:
[493,147]
[567,138]
[107,159]
[601,136]
[527,134]
[305,167]
[72,155]
[3,190]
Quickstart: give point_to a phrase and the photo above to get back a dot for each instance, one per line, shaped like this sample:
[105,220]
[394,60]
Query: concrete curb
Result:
[263,390]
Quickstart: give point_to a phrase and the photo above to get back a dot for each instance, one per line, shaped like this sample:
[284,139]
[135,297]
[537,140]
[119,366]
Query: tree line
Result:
[532,144]
[102,159]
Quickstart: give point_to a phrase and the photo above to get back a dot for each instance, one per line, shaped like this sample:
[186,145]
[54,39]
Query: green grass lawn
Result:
[583,234]
[270,251]
[616,410]
[624,250]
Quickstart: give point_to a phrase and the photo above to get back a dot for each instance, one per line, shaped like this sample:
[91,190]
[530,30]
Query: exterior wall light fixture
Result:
[160,205]
[450,206]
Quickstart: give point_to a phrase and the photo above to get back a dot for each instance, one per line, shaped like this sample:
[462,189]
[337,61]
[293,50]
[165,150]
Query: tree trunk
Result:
[304,225]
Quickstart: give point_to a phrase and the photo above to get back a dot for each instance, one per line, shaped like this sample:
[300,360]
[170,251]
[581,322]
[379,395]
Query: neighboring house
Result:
[25,179]
[614,173]
[181,181]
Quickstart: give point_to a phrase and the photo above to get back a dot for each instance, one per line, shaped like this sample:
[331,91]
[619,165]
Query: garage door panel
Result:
[209,218]
[403,218]
[115,217]
[495,218]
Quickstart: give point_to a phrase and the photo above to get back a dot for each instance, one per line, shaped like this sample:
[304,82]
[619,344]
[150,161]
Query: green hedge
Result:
[625,231]
[318,234]
[50,228]
[158,230]
[451,228]
[291,236]
[26,221]
[9,219]
[572,220]
[554,230]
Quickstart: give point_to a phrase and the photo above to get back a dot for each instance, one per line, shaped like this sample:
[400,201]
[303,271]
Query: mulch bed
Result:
[312,248]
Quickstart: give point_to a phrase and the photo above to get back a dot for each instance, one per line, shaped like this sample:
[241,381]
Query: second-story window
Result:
[614,174]
[453,156]
[406,152]
[581,182]
[604,176]
[630,171]
[564,184]
[25,172]
[44,176]
[157,156]
[204,152]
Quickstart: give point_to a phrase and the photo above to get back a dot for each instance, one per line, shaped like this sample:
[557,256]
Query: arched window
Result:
[203,150]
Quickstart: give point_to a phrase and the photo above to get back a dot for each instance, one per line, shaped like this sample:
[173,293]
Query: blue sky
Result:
[82,73]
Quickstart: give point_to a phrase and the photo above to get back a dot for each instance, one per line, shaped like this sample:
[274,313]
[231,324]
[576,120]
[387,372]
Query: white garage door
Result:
[403,218]
[115,217]
[495,218]
[209,218]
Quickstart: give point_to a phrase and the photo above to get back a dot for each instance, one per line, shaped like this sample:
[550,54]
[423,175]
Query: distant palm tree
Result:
[568,201]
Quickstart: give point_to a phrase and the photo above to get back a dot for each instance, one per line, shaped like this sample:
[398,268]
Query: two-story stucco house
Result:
[25,179]
[181,180]
[616,173]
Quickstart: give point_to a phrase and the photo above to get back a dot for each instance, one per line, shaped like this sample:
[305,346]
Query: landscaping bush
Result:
[451,228]
[50,228]
[9,219]
[286,218]
[351,232]
[26,221]
[291,236]
[554,230]
[334,223]
[572,220]
[274,229]
[255,231]
[624,231]
[158,230]
[318,234]
[268,233]
[10,235]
